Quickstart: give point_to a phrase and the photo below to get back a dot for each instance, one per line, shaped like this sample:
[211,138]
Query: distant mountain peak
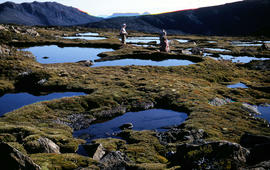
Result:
[43,13]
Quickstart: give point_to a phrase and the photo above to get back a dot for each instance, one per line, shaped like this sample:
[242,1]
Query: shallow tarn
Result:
[153,119]
[241,59]
[86,38]
[54,54]
[238,85]
[10,102]
[265,112]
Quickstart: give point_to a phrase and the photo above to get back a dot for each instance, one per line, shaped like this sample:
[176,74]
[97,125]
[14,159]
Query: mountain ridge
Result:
[240,18]
[43,13]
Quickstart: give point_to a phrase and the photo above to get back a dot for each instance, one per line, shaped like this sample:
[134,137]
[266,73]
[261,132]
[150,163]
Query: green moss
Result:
[110,144]
[143,147]
[63,161]
[6,137]
[148,166]
[18,146]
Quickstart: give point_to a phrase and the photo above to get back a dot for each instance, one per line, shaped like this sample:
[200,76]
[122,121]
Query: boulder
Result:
[28,55]
[259,153]
[175,134]
[252,110]
[126,126]
[115,160]
[249,140]
[48,146]
[4,50]
[261,166]
[12,159]
[95,151]
[42,145]
[219,102]
[258,144]
[186,52]
[79,121]
[211,155]
[197,51]
[265,46]
[86,63]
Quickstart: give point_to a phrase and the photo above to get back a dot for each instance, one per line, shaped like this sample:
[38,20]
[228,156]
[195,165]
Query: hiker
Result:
[164,43]
[123,34]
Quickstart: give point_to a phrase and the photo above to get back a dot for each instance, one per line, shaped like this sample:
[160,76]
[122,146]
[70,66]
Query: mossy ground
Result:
[179,88]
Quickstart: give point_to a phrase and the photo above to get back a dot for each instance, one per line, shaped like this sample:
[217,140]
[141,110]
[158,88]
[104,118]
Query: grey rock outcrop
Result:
[259,147]
[174,135]
[197,51]
[95,151]
[219,102]
[42,145]
[211,155]
[14,160]
[250,140]
[115,160]
[141,105]
[48,146]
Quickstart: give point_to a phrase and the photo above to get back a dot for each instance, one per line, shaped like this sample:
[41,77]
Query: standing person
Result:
[164,43]
[123,34]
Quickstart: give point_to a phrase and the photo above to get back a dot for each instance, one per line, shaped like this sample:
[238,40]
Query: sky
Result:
[108,7]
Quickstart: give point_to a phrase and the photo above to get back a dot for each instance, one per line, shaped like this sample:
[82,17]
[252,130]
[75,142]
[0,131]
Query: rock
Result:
[4,50]
[174,135]
[48,146]
[141,105]
[126,126]
[86,63]
[32,32]
[115,160]
[265,46]
[13,159]
[111,113]
[261,166]
[95,151]
[186,52]
[28,55]
[219,102]
[2,27]
[253,110]
[77,121]
[42,81]
[259,153]
[45,57]
[41,145]
[249,140]
[211,155]
[259,65]
[197,51]
[258,145]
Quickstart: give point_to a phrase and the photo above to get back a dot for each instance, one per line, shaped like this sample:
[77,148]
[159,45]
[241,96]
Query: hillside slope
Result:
[47,13]
[247,17]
